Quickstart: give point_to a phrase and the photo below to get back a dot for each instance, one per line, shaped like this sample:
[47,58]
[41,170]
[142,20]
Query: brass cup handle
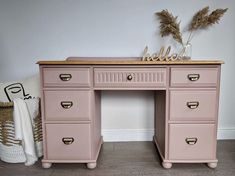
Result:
[65,77]
[193,105]
[66,104]
[193,77]
[129,77]
[68,140]
[191,141]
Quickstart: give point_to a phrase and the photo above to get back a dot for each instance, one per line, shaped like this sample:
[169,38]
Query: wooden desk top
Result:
[124,61]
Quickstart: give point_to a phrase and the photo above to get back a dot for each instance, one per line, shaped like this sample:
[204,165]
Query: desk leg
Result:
[46,165]
[212,165]
[91,165]
[166,165]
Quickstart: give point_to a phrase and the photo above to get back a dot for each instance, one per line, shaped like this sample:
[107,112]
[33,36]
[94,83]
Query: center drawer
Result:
[67,105]
[129,77]
[68,141]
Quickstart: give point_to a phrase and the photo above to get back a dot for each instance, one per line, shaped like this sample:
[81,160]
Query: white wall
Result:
[32,30]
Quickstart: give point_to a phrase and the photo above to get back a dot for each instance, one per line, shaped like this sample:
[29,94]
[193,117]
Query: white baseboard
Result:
[115,135]
[226,133]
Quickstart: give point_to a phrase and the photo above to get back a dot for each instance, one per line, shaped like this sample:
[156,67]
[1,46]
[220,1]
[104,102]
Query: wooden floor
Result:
[130,159]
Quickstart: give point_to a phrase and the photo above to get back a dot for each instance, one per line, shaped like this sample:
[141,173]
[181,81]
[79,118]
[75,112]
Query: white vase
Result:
[187,51]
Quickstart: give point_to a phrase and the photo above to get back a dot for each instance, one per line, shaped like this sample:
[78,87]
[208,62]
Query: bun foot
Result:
[91,165]
[166,165]
[46,165]
[212,165]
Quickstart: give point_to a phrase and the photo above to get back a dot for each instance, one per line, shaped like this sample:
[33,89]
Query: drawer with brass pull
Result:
[191,141]
[194,77]
[68,141]
[67,105]
[192,105]
[129,77]
[66,76]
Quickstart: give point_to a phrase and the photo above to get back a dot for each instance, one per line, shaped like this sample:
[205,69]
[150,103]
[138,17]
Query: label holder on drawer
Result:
[66,104]
[65,77]
[67,140]
[193,104]
[191,141]
[193,77]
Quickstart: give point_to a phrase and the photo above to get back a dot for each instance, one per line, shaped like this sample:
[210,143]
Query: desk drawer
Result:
[192,141]
[68,141]
[193,105]
[130,77]
[67,105]
[66,76]
[194,77]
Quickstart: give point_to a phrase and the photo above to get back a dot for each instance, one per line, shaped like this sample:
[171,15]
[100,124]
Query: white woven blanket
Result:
[24,113]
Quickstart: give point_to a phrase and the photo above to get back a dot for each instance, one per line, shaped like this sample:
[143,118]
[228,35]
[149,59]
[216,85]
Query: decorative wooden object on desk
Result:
[186,103]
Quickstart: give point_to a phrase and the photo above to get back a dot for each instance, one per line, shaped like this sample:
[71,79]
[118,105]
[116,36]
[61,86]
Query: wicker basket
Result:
[11,149]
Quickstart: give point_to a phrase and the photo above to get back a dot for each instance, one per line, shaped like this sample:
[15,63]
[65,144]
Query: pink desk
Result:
[186,107]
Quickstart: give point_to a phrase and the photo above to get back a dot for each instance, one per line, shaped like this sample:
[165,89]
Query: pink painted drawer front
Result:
[192,141]
[192,105]
[129,77]
[194,76]
[66,76]
[68,141]
[67,105]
